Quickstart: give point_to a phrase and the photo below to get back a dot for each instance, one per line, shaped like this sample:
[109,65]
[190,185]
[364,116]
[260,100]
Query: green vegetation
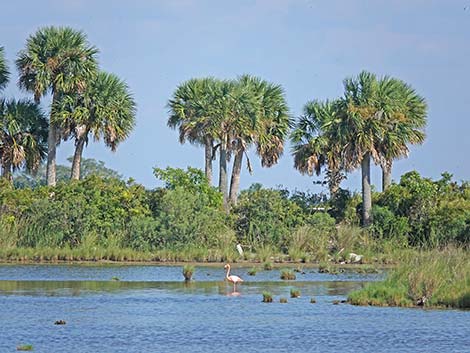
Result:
[104,218]
[252,271]
[283,300]
[231,116]
[88,213]
[268,266]
[438,278]
[58,60]
[287,274]
[267,297]
[25,347]
[294,293]
[188,271]
[375,119]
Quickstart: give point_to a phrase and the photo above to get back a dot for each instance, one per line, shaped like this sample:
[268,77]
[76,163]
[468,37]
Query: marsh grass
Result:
[287,274]
[283,300]
[267,297]
[265,252]
[112,252]
[188,271]
[24,347]
[325,267]
[440,276]
[367,269]
[252,271]
[268,266]
[294,293]
[49,254]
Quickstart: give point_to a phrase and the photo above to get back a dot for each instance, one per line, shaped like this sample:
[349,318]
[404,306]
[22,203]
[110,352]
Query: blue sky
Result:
[307,46]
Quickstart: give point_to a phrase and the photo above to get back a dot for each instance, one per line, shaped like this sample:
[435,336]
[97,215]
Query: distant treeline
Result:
[187,212]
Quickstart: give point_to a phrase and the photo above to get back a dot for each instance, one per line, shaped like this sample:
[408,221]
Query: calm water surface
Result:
[152,310]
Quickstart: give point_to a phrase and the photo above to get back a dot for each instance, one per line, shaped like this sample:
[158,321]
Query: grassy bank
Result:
[114,254]
[432,279]
[189,254]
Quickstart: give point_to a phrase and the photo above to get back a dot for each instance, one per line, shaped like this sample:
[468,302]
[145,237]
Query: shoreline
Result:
[242,263]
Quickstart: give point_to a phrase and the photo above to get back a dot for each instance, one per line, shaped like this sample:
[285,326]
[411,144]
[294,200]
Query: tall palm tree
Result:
[365,112]
[105,109]
[189,112]
[4,72]
[384,116]
[23,136]
[225,112]
[229,108]
[404,124]
[318,141]
[58,60]
[265,122]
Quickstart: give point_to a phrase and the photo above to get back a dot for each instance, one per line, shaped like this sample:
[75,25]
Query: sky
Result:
[307,46]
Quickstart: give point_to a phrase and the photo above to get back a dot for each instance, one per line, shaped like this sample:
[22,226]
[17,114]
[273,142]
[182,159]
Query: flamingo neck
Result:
[228,272]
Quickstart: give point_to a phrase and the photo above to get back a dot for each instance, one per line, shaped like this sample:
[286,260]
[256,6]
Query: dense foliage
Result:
[187,213]
[425,212]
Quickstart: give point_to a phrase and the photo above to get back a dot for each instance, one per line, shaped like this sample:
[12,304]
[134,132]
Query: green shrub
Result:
[264,216]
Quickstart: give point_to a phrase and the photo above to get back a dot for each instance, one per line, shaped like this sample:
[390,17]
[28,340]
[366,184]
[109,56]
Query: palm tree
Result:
[318,141]
[105,110]
[263,121]
[225,112]
[229,109]
[23,136]
[404,124]
[365,113]
[4,73]
[58,60]
[384,116]
[189,112]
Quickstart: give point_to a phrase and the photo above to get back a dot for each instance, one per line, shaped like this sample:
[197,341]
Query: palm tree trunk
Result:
[236,171]
[77,158]
[6,172]
[51,149]
[334,179]
[208,157]
[386,175]
[366,191]
[223,171]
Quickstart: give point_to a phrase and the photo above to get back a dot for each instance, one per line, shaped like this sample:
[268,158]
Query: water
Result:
[152,310]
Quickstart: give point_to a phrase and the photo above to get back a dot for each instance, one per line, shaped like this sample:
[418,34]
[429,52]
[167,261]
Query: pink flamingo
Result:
[234,279]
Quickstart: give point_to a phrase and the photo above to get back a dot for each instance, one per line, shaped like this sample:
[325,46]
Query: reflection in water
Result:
[233,294]
[77,288]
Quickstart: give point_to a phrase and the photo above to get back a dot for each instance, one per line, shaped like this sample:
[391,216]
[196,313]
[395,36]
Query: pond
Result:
[151,309]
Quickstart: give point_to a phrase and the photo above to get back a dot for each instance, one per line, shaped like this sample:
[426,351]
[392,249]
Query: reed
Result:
[188,271]
[287,274]
[267,297]
[438,278]
[25,347]
[252,271]
[294,293]
[268,266]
